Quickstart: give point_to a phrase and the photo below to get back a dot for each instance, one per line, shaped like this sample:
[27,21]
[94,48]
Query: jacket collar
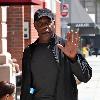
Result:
[52,42]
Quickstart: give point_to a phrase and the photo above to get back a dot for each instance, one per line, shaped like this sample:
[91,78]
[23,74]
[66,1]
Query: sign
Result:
[65,10]
[82,25]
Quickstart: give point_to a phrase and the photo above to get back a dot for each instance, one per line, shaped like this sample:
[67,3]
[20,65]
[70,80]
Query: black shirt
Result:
[45,71]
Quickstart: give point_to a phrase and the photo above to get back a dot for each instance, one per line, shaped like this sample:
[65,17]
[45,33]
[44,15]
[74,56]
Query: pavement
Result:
[91,90]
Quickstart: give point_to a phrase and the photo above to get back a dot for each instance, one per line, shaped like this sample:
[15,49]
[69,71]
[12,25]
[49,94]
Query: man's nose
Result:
[46,27]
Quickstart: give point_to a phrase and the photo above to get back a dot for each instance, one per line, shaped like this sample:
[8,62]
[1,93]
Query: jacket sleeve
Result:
[81,69]
[25,86]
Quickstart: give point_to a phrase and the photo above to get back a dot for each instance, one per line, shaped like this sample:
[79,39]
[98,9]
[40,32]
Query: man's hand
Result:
[71,45]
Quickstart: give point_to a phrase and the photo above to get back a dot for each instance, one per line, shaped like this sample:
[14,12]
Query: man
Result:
[50,64]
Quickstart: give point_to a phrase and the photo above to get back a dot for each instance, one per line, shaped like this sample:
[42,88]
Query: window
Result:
[26,30]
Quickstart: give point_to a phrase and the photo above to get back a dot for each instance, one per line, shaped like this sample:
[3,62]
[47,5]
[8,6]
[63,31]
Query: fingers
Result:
[69,36]
[76,39]
[60,47]
[73,38]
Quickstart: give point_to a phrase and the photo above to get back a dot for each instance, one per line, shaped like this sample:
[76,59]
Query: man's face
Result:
[45,28]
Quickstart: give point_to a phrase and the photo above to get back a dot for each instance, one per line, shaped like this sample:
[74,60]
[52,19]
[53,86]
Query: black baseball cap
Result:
[43,12]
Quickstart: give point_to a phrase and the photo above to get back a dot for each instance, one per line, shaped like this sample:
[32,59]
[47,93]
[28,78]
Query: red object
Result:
[20,2]
[65,8]
[64,14]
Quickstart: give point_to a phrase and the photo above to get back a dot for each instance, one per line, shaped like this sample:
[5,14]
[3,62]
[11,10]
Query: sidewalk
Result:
[91,90]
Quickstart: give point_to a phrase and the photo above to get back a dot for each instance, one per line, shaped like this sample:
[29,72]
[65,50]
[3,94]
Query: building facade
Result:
[11,36]
[20,24]
[92,7]
[84,15]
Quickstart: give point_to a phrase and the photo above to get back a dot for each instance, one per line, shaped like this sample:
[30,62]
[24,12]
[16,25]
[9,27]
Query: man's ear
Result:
[54,22]
[35,25]
[7,96]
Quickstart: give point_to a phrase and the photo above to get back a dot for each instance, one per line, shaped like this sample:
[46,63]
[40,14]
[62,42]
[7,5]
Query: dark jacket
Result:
[79,68]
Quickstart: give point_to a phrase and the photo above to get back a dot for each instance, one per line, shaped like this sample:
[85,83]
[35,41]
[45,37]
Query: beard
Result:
[45,36]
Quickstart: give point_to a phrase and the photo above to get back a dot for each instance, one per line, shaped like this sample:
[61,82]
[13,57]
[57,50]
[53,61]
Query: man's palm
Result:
[71,45]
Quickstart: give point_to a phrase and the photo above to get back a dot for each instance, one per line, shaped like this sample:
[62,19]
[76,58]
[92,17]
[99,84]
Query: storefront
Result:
[78,18]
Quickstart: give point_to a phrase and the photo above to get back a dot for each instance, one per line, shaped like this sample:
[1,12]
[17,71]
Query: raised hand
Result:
[71,45]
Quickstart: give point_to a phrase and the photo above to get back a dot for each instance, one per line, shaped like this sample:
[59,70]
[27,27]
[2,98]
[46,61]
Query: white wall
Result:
[51,4]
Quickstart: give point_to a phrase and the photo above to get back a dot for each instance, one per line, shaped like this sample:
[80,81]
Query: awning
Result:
[86,31]
[19,2]
[78,16]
